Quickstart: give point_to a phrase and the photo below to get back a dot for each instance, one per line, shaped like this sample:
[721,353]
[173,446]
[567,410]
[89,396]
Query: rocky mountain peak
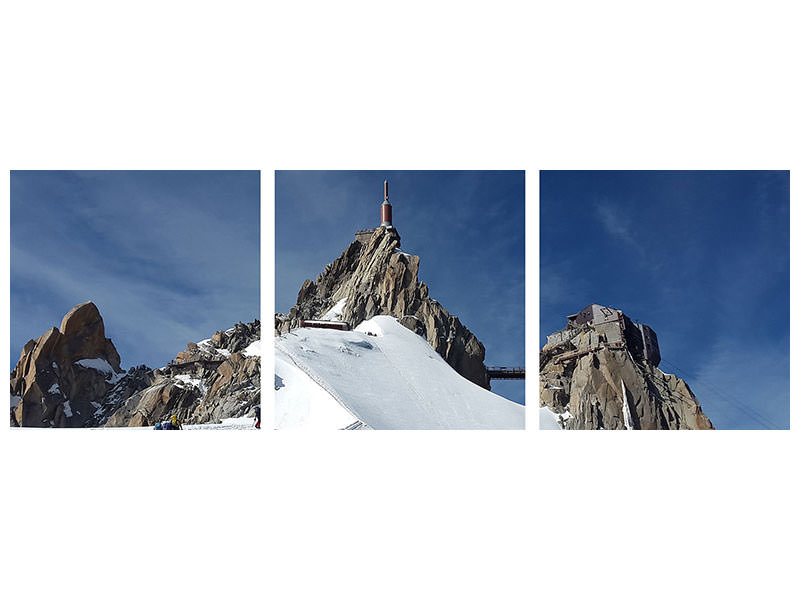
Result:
[73,363]
[80,317]
[71,377]
[375,277]
[84,335]
[213,379]
[221,345]
[601,372]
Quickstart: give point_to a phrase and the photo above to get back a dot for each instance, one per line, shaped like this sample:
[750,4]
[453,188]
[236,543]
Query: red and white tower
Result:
[386,208]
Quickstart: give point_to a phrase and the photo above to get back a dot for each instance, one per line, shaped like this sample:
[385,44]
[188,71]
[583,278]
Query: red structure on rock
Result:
[386,208]
[317,324]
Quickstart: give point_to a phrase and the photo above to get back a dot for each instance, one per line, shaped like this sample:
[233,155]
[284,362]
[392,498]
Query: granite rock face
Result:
[135,380]
[84,335]
[71,377]
[211,380]
[375,277]
[593,384]
[63,376]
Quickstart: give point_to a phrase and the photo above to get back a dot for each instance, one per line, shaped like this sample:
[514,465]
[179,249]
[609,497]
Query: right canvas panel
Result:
[664,300]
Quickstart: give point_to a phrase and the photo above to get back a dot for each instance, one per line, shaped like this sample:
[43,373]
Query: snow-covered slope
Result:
[383,376]
[300,402]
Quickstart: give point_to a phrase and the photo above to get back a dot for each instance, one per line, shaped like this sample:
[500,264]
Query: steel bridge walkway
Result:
[506,372]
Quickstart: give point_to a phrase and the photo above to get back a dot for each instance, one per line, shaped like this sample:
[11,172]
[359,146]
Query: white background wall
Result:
[414,85]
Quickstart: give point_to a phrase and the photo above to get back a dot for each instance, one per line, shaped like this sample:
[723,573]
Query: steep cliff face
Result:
[377,278]
[71,377]
[591,384]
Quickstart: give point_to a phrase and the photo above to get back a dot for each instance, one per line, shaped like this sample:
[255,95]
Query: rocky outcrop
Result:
[135,380]
[84,335]
[71,377]
[63,376]
[211,380]
[592,383]
[377,278]
[155,403]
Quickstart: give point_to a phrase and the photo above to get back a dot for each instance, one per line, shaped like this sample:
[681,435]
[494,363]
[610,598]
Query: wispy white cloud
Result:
[620,226]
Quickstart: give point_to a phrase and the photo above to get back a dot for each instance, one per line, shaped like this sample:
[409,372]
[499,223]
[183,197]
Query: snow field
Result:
[300,402]
[385,376]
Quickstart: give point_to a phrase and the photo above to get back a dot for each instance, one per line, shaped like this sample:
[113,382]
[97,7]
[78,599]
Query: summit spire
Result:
[386,207]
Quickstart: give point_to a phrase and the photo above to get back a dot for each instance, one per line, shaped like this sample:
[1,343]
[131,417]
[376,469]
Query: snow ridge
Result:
[388,377]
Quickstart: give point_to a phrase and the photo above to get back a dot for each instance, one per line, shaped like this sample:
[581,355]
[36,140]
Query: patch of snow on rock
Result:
[193,381]
[254,349]
[335,313]
[67,409]
[549,419]
[101,364]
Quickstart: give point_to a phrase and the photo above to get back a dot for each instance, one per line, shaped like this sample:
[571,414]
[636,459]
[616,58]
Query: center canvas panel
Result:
[370,343]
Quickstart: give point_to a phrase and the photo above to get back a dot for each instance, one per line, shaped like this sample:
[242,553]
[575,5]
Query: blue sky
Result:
[701,257]
[467,227]
[168,257]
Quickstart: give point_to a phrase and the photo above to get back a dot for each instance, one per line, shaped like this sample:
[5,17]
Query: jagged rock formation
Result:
[375,277]
[601,373]
[71,377]
[211,380]
[62,377]
[135,380]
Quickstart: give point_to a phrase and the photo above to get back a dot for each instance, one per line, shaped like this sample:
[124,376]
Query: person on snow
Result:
[173,421]
[258,417]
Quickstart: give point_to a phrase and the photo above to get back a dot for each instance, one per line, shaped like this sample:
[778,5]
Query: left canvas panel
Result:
[135,299]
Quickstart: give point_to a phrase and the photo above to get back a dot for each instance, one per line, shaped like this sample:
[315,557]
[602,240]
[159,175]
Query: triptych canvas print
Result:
[400,300]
